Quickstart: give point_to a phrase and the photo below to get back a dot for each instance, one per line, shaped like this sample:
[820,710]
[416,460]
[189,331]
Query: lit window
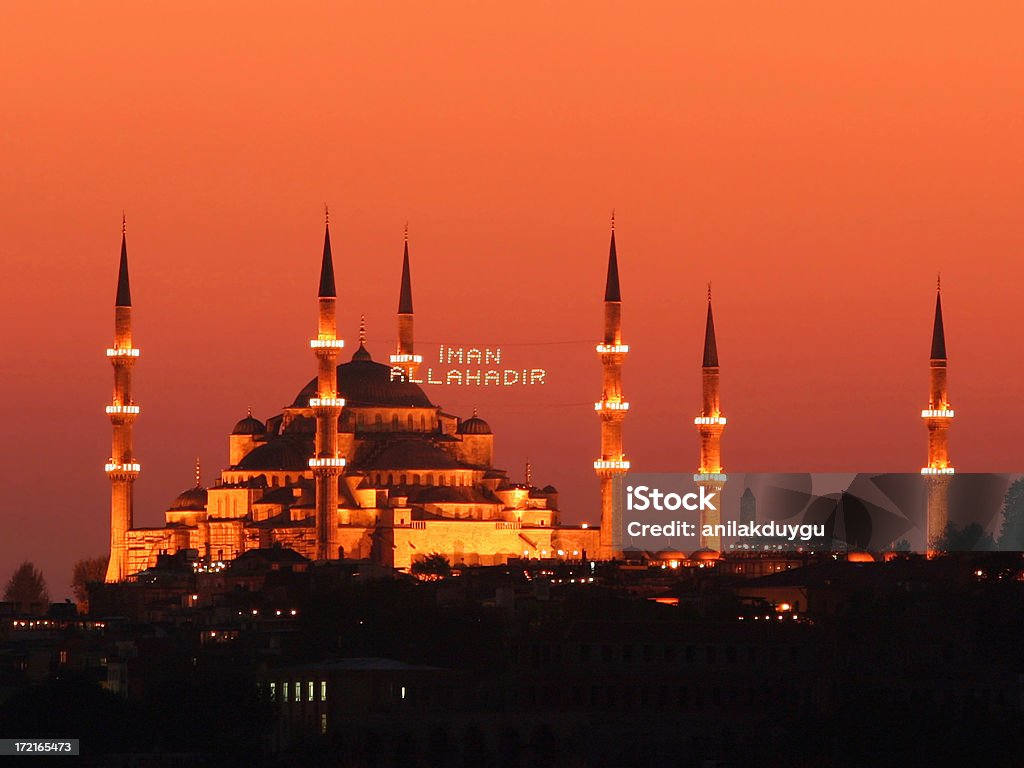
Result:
[323,690]
[273,691]
[323,723]
[298,691]
[284,692]
[309,692]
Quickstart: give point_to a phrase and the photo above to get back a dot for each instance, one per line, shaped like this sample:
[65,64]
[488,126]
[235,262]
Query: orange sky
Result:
[818,161]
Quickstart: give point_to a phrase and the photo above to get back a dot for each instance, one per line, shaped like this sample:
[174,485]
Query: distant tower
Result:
[611,408]
[405,357]
[937,416]
[748,508]
[326,464]
[121,468]
[710,425]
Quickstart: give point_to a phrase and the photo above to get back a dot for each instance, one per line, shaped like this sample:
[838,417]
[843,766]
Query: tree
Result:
[970,538]
[1011,534]
[86,571]
[27,586]
[433,566]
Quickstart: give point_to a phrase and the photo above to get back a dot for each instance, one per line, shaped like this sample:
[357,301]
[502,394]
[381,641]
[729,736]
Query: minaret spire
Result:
[611,408]
[710,425]
[327,287]
[938,332]
[122,468]
[405,362]
[327,463]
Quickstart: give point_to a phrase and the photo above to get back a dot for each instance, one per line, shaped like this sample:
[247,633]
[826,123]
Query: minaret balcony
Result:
[129,468]
[613,349]
[937,413]
[611,405]
[123,410]
[123,352]
[710,477]
[620,464]
[326,343]
[937,471]
[327,463]
[703,421]
[327,402]
[400,359]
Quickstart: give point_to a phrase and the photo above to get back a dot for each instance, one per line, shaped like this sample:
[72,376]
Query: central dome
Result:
[362,382]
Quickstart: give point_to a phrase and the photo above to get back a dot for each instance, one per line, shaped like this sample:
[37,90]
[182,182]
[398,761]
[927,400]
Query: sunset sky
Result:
[818,162]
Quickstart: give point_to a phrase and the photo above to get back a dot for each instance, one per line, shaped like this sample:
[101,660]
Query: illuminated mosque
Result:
[362,465]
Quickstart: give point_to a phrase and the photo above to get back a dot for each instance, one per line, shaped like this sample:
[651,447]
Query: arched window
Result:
[391,479]
[378,422]
[394,422]
[408,422]
[416,479]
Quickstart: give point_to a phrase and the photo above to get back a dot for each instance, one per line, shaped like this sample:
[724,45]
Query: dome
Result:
[474,426]
[363,382]
[192,500]
[281,454]
[705,554]
[250,425]
[669,554]
[860,557]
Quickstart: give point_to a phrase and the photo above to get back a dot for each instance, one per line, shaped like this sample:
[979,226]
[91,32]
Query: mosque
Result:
[362,465]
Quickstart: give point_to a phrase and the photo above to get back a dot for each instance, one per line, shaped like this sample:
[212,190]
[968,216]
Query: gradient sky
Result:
[819,162]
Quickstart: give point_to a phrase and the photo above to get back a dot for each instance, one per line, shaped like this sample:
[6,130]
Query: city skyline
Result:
[822,251]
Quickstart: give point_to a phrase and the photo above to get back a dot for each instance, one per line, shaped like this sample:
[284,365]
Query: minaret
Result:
[326,464]
[121,467]
[405,359]
[611,408]
[710,425]
[937,416]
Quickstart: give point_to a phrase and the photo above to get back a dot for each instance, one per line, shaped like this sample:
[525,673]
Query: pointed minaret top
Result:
[327,289]
[124,290]
[710,345]
[611,285]
[405,293]
[938,332]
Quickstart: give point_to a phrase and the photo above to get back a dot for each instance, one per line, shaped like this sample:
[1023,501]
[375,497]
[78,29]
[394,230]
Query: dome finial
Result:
[199,474]
[248,411]
[474,411]
[362,330]
[529,473]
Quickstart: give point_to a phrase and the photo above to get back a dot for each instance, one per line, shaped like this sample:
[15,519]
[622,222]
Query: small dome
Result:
[705,554]
[282,454]
[474,426]
[860,557]
[192,500]
[669,554]
[250,425]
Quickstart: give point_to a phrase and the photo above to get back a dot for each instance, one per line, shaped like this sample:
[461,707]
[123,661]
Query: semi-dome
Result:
[705,555]
[474,426]
[283,453]
[363,382]
[192,500]
[860,556]
[250,425]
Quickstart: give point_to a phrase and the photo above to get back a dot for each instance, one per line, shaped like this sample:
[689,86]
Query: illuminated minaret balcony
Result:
[706,421]
[611,464]
[326,402]
[123,352]
[126,468]
[405,359]
[938,471]
[613,349]
[122,410]
[710,477]
[611,405]
[938,413]
[326,343]
[327,463]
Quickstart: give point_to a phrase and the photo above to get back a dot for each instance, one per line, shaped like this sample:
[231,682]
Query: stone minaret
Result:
[121,468]
[405,359]
[611,407]
[937,416]
[710,425]
[326,464]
